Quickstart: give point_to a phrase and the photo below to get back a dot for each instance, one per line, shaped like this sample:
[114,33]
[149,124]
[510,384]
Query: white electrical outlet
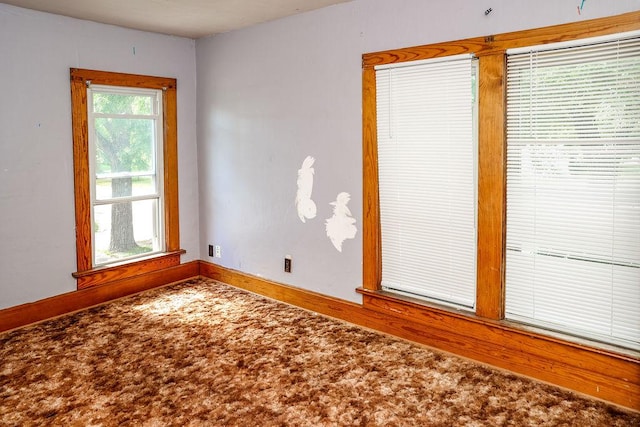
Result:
[218,251]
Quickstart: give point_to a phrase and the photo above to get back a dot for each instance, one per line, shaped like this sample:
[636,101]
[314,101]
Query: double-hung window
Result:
[573,188]
[125,175]
[126,169]
[427,156]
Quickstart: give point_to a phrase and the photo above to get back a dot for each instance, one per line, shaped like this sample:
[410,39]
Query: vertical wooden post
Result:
[372,256]
[171,210]
[491,186]
[81,170]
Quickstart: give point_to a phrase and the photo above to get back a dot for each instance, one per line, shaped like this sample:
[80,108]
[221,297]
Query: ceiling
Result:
[186,18]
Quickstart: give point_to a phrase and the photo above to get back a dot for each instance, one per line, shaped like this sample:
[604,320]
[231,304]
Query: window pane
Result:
[108,188]
[123,230]
[124,145]
[115,103]
[573,190]
[426,166]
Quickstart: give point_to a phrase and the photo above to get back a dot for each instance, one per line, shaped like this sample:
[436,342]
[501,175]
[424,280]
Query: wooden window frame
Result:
[86,274]
[491,53]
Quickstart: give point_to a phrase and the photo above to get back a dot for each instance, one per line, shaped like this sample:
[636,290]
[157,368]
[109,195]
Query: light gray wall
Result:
[268,96]
[37,225]
[272,94]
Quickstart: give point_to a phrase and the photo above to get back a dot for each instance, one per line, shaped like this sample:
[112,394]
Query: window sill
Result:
[453,321]
[113,272]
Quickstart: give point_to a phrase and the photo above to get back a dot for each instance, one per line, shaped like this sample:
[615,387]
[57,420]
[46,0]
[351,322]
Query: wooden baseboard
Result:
[97,276]
[58,305]
[605,375]
[302,298]
[598,373]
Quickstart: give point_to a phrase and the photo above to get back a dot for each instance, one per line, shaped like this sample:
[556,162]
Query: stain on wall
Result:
[306,207]
[341,226]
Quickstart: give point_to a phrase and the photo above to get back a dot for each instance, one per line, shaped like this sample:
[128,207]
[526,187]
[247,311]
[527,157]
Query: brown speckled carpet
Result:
[203,353]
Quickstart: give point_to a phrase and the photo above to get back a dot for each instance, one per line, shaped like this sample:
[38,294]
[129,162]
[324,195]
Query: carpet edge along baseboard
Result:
[33,312]
[595,372]
[604,375]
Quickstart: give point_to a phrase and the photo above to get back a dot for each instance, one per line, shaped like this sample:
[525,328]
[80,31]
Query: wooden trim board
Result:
[492,44]
[302,298]
[598,373]
[80,78]
[25,314]
[97,276]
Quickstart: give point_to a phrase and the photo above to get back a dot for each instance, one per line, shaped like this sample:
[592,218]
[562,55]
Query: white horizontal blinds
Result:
[427,164]
[573,190]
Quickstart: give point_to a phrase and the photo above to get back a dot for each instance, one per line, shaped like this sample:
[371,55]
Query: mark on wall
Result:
[581,7]
[306,207]
[341,225]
